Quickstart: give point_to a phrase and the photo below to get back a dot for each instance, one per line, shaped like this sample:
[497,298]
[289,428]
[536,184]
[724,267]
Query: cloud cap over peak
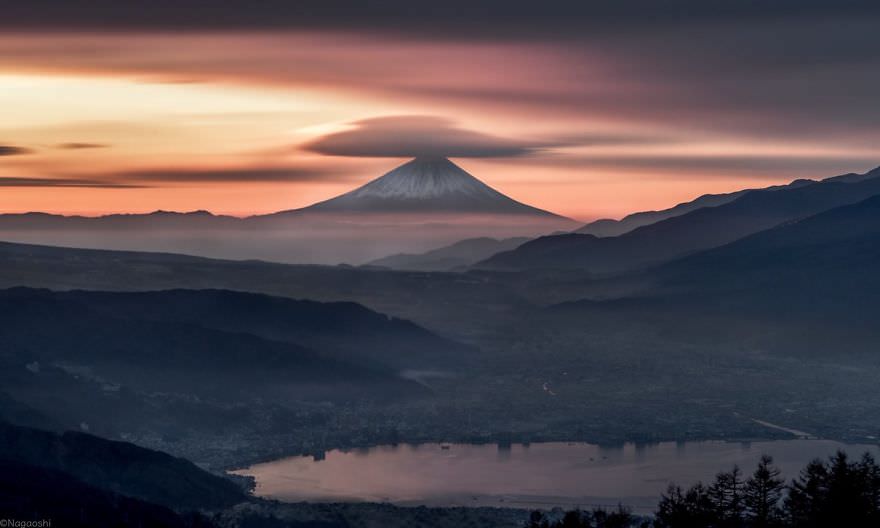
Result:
[415,136]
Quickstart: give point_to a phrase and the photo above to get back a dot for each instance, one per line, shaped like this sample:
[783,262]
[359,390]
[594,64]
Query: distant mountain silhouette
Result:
[459,255]
[420,297]
[836,252]
[694,231]
[805,288]
[156,220]
[607,227]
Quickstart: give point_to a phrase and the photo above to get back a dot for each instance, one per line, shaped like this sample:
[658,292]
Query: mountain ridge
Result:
[449,258]
[697,230]
[607,227]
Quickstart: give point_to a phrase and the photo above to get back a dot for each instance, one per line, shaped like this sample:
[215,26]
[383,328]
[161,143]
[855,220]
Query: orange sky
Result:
[227,121]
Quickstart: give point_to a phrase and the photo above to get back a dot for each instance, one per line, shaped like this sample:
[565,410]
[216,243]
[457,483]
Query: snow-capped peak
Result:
[427,184]
[425,179]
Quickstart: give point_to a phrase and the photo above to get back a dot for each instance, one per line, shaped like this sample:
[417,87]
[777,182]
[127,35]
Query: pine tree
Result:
[849,501]
[870,473]
[572,519]
[807,495]
[537,520]
[762,494]
[680,509]
[726,497]
[619,518]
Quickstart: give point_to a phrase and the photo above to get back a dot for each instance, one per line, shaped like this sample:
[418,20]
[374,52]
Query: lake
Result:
[539,475]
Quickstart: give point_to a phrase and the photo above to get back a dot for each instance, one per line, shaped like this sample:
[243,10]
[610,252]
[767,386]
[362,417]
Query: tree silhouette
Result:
[574,519]
[598,518]
[871,475]
[537,519]
[806,495]
[620,518]
[680,509]
[762,494]
[830,494]
[726,497]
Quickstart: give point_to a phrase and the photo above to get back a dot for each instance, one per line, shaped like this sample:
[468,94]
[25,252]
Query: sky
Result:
[588,109]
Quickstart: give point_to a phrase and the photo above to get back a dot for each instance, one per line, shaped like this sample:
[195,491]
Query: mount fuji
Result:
[427,185]
[421,205]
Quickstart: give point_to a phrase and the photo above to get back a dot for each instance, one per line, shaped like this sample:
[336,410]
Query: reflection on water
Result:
[536,475]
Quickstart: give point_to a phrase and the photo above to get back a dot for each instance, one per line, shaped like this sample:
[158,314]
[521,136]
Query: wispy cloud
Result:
[81,146]
[713,166]
[282,174]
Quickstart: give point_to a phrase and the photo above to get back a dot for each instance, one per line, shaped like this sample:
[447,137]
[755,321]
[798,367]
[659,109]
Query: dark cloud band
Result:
[449,18]
[81,146]
[11,150]
[63,182]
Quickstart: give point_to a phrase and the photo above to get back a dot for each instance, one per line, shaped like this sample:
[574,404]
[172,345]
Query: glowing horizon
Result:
[241,123]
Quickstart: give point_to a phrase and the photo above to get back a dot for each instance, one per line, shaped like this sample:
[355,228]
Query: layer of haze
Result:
[591,121]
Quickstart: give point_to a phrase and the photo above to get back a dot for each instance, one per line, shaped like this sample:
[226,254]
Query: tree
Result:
[726,497]
[836,493]
[620,518]
[680,509]
[574,519]
[870,472]
[850,497]
[761,495]
[806,495]
[537,520]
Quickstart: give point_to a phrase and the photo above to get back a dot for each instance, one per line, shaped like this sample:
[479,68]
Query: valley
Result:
[629,370]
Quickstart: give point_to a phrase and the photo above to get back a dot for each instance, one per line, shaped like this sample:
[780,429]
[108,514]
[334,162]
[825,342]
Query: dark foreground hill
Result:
[119,467]
[83,481]
[35,494]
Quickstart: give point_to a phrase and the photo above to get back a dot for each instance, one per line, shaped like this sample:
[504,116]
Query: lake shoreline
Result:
[541,475]
[773,434]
